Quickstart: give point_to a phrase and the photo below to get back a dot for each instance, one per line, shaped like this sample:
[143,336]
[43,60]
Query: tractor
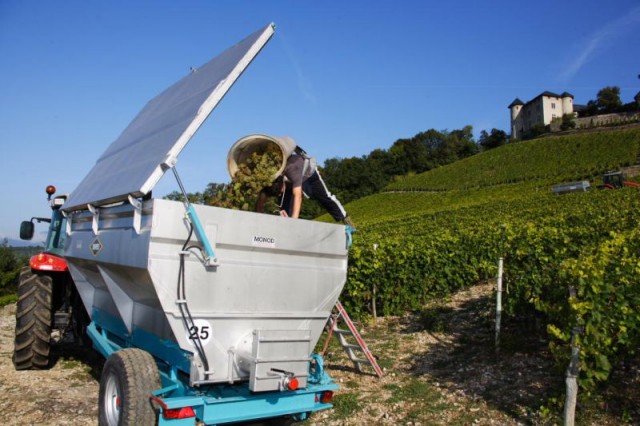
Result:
[615,180]
[49,308]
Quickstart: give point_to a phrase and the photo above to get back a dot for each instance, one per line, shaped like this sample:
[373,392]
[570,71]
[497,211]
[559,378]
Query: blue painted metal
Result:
[202,236]
[272,404]
[166,350]
[110,334]
[222,403]
[100,341]
[317,374]
[213,404]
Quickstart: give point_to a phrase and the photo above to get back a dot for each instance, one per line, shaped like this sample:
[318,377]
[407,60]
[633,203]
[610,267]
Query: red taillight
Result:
[326,397]
[293,384]
[48,262]
[178,413]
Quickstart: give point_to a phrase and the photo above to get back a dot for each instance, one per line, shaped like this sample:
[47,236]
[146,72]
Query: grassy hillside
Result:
[560,158]
[397,206]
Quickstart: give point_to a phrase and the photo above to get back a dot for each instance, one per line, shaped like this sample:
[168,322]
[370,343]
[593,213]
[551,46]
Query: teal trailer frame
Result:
[214,404]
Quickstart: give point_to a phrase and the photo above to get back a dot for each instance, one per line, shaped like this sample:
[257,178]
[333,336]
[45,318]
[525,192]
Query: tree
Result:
[590,109]
[493,140]
[353,178]
[608,99]
[212,191]
[457,144]
[568,122]
[10,266]
[194,198]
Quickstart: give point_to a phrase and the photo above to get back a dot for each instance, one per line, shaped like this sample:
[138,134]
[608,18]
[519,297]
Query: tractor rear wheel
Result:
[33,321]
[128,378]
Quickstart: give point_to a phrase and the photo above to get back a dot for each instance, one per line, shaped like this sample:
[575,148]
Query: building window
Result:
[553,105]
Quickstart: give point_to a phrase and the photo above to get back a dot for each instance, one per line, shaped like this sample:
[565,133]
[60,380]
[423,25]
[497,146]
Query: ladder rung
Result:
[350,346]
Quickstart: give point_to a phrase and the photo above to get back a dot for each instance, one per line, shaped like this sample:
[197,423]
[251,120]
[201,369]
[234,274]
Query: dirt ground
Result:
[66,394]
[440,365]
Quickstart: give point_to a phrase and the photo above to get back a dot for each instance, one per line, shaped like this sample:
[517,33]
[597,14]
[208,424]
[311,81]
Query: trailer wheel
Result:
[128,378]
[33,321]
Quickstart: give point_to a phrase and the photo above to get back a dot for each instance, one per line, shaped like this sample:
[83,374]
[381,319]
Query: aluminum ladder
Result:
[356,350]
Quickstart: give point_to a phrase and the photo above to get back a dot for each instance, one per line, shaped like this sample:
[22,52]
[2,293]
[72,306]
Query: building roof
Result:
[553,95]
[515,102]
[546,93]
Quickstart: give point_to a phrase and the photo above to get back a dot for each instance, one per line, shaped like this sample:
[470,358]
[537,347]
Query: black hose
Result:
[184,308]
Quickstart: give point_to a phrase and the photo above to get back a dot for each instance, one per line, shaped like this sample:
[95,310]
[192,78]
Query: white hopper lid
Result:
[134,163]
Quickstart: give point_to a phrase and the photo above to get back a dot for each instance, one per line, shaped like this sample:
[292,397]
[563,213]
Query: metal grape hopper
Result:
[229,304]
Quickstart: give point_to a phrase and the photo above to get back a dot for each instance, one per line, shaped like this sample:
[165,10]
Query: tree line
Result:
[356,177]
[608,101]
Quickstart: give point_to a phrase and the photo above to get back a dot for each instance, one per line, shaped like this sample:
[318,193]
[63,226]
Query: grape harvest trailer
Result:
[204,314]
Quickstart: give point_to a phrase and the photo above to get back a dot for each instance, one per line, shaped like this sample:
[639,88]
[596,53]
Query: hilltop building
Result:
[541,110]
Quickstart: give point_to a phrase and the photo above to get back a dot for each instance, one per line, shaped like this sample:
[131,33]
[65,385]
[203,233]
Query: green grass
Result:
[412,389]
[345,405]
[8,299]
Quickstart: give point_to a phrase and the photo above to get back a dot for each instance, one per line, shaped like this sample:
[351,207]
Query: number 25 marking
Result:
[202,333]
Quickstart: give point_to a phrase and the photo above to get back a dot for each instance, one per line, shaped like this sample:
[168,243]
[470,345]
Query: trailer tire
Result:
[128,378]
[33,321]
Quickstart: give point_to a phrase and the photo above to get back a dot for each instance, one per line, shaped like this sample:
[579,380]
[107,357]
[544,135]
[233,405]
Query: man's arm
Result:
[262,200]
[296,192]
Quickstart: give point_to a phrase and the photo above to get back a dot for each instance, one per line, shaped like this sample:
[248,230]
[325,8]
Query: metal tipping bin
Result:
[230,304]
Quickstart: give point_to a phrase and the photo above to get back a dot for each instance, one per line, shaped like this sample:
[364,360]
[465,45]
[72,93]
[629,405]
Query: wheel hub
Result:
[112,400]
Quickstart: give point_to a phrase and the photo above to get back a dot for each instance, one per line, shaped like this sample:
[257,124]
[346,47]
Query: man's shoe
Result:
[347,221]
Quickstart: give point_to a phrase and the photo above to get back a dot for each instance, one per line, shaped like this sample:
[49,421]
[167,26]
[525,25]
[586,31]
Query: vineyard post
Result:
[499,302]
[373,301]
[572,373]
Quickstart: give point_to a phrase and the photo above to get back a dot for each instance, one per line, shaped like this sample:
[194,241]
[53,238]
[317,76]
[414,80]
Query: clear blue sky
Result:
[341,77]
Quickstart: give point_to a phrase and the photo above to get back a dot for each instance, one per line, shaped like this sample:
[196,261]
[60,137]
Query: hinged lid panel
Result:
[135,162]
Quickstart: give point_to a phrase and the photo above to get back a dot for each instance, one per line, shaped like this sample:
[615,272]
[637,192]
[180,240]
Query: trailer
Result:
[568,187]
[204,315]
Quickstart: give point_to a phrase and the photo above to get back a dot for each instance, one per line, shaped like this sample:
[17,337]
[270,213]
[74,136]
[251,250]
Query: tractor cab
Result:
[613,180]
[51,258]
[56,235]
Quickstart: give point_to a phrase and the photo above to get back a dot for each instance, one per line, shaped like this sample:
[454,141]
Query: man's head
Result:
[276,188]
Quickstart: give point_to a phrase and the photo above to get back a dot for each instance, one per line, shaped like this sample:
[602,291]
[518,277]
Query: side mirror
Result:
[26,230]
